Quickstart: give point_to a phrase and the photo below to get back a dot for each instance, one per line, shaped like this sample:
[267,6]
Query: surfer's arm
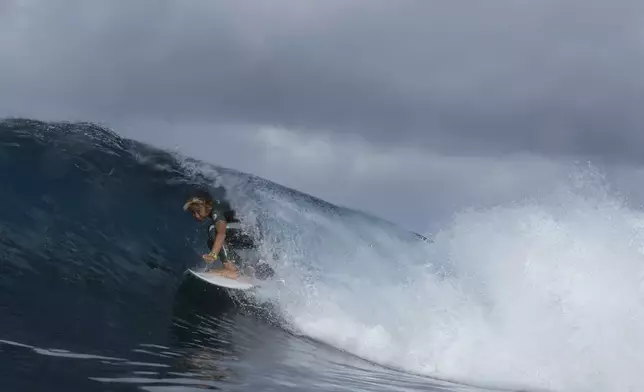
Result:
[220,228]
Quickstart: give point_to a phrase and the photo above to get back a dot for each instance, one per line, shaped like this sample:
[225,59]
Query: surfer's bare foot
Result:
[229,266]
[230,270]
[226,273]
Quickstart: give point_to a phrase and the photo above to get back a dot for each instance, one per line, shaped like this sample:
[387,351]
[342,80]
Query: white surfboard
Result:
[241,283]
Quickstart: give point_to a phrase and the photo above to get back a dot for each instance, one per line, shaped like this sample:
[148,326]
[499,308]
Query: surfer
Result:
[222,217]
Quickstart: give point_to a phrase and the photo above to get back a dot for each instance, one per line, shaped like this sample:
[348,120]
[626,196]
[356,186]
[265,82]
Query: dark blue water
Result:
[93,296]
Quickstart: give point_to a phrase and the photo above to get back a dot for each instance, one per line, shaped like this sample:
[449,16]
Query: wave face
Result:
[89,224]
[543,294]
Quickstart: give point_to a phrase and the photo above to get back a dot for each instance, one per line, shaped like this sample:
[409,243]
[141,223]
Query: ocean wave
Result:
[94,244]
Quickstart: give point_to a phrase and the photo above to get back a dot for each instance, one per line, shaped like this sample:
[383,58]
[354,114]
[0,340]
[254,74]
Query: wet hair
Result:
[203,195]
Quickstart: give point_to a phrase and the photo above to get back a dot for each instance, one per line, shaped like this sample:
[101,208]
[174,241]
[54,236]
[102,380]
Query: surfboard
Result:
[241,283]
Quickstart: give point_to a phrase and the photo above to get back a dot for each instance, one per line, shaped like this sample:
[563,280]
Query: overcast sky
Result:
[422,107]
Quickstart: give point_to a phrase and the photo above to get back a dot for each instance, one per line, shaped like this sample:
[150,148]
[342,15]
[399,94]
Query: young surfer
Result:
[222,218]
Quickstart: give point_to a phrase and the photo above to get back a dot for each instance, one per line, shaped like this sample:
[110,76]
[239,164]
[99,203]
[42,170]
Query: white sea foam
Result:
[544,294]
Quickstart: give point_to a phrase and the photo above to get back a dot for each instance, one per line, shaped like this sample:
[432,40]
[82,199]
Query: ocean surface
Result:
[94,245]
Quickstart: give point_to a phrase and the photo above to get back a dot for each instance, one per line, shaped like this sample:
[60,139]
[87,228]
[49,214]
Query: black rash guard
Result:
[218,214]
[235,237]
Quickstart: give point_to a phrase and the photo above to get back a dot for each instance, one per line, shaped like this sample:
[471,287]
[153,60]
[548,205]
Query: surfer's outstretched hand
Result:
[209,258]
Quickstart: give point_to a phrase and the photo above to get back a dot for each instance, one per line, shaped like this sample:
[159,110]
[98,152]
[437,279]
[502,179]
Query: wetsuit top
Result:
[219,213]
[235,237]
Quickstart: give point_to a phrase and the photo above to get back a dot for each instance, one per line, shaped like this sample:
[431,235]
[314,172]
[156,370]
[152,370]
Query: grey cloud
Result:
[552,77]
[407,186]
[561,78]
